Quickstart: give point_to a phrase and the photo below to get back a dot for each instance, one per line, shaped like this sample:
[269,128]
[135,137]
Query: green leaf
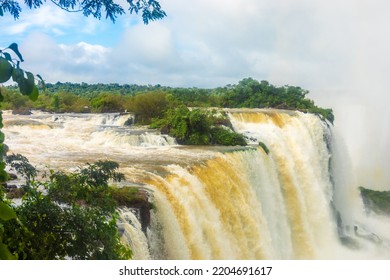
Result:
[17,75]
[7,56]
[34,95]
[3,175]
[1,12]
[15,48]
[6,212]
[5,254]
[26,86]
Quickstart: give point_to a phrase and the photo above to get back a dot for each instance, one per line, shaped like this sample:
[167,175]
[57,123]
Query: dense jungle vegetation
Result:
[149,102]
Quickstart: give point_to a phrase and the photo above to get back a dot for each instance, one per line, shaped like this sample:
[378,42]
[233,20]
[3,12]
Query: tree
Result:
[107,103]
[147,106]
[198,127]
[150,9]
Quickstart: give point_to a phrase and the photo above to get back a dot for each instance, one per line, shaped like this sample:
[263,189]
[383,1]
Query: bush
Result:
[198,127]
[69,216]
[147,106]
[128,196]
[108,103]
[225,137]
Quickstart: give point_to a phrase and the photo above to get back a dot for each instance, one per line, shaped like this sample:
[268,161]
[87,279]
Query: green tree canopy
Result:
[150,9]
[71,215]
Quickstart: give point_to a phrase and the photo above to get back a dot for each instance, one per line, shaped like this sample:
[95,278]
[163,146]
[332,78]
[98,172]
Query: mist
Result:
[346,68]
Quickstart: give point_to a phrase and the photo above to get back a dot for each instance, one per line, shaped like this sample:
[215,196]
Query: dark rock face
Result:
[14,191]
[137,199]
[12,176]
[21,111]
[142,204]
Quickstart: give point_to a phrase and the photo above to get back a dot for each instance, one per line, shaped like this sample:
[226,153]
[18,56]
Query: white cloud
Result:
[81,62]
[83,54]
[48,17]
[150,45]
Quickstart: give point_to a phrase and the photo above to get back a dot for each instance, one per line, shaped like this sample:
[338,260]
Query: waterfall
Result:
[287,195]
[131,234]
[248,204]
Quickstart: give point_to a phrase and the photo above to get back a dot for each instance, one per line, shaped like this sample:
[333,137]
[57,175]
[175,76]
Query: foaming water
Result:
[50,138]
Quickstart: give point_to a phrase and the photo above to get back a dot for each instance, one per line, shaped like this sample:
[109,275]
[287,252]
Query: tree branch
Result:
[65,8]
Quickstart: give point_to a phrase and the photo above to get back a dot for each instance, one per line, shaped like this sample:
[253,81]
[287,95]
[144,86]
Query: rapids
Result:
[216,202]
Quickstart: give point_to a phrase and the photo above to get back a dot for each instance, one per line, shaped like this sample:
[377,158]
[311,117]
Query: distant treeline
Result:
[149,102]
[376,201]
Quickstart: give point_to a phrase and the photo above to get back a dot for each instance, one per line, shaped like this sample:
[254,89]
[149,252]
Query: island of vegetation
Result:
[375,201]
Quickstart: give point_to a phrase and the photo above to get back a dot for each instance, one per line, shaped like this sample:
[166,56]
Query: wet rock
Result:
[21,111]
[12,176]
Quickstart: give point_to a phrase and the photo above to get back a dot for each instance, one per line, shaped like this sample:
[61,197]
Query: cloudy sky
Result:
[337,49]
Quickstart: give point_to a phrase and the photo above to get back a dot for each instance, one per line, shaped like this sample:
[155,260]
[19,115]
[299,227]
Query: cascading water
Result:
[275,200]
[70,136]
[249,204]
[131,232]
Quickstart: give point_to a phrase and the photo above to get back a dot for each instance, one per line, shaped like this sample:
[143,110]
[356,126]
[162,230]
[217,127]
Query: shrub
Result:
[198,127]
[226,137]
[69,216]
[264,147]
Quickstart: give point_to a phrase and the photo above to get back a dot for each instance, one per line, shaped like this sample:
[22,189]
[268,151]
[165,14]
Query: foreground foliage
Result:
[67,216]
[6,214]
[150,9]
[10,60]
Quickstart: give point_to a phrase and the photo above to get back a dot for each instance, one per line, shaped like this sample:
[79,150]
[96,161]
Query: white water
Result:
[52,139]
[133,235]
[216,203]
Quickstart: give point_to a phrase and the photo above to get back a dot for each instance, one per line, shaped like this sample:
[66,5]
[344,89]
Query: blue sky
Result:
[337,49]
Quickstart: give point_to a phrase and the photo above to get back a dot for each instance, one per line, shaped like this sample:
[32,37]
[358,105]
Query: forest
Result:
[151,101]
